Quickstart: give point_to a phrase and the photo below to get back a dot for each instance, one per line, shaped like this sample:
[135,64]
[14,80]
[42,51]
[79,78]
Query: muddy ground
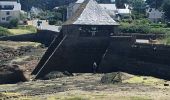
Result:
[78,87]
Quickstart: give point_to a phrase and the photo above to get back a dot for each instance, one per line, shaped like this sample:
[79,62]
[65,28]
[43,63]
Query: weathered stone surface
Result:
[115,77]
[56,74]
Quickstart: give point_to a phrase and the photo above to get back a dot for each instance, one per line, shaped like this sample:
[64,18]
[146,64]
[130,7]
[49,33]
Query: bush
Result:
[14,23]
[158,25]
[135,29]
[52,22]
[168,24]
[158,31]
[4,32]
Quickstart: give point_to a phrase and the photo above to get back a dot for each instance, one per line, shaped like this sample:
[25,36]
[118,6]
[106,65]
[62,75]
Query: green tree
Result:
[138,8]
[120,3]
[166,8]
[14,23]
[155,3]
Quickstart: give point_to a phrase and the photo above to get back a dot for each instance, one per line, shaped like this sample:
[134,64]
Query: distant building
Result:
[124,13]
[9,10]
[109,7]
[154,15]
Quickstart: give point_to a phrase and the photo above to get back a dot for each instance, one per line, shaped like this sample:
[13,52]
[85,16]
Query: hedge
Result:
[144,28]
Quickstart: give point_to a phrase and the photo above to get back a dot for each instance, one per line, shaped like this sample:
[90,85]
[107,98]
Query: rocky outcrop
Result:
[11,74]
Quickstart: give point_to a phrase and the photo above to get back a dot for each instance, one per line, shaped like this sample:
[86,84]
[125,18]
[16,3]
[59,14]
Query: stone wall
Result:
[140,59]
[77,55]
[42,36]
[48,53]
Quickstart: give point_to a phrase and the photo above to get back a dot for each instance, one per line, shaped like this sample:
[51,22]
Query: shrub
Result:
[14,23]
[168,24]
[4,32]
[158,25]
[134,28]
[52,22]
[158,31]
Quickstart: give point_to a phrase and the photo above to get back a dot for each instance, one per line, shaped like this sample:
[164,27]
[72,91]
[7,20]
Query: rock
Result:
[115,77]
[56,74]
[11,74]
[166,84]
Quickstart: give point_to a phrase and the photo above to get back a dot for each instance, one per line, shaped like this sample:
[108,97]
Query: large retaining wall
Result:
[77,55]
[154,53]
[140,59]
[48,53]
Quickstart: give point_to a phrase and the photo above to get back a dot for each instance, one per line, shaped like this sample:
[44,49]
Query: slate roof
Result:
[79,1]
[90,13]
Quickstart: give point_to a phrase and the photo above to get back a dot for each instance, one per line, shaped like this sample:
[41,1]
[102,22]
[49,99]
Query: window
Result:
[93,31]
[7,7]
[3,18]
[88,31]
[8,18]
[1,7]
[7,13]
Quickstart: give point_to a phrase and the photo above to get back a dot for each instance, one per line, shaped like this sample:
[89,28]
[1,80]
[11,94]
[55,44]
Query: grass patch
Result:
[75,98]
[139,98]
[15,45]
[23,30]
[143,80]
[4,31]
[19,31]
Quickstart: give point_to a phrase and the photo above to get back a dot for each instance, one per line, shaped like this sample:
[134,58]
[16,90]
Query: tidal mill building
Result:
[84,35]
[87,42]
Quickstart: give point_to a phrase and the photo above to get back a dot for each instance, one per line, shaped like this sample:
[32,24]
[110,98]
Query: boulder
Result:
[11,74]
[56,74]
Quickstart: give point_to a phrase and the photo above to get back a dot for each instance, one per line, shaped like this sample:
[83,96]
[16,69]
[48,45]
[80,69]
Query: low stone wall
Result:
[42,36]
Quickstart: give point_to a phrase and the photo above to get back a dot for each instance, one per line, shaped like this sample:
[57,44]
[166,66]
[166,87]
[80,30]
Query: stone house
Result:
[9,10]
[154,15]
[124,12]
